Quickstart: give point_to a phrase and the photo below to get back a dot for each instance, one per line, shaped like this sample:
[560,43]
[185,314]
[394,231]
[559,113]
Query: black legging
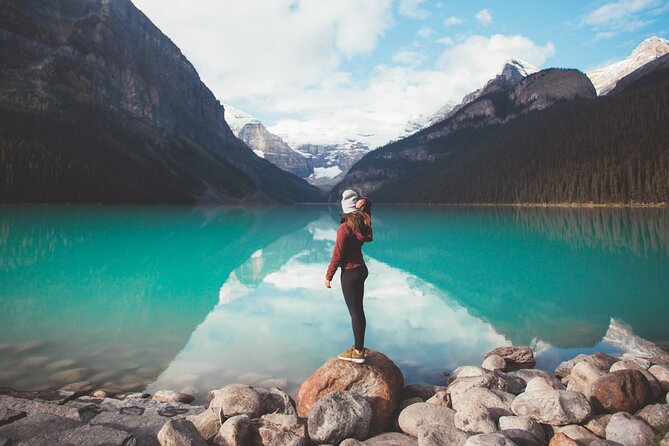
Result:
[353,287]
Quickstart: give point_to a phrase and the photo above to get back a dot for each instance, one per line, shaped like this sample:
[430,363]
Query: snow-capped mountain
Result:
[605,78]
[265,144]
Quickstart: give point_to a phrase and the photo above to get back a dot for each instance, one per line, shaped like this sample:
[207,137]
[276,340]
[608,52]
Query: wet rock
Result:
[561,439]
[522,423]
[422,391]
[621,391]
[190,390]
[237,399]
[661,374]
[600,360]
[489,381]
[441,434]
[467,371]
[137,395]
[278,401]
[494,363]
[538,383]
[656,415]
[170,396]
[81,386]
[378,380]
[583,374]
[496,439]
[419,414]
[207,423]
[597,424]
[498,402]
[528,374]
[581,435]
[556,407]
[71,375]
[234,432]
[473,417]
[180,432]
[441,398]
[629,431]
[340,415]
[515,358]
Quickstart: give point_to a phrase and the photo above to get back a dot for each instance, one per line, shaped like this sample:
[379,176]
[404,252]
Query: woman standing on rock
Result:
[355,229]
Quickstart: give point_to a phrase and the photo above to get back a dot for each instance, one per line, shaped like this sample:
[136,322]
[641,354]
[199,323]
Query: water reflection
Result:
[175,297]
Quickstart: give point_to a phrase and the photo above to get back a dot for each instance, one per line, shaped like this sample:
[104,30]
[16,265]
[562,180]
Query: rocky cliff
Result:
[98,105]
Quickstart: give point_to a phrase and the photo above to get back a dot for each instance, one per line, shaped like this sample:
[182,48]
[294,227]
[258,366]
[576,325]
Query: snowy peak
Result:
[517,70]
[605,79]
[237,118]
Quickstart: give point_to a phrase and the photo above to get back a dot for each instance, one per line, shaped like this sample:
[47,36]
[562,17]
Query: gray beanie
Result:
[348,200]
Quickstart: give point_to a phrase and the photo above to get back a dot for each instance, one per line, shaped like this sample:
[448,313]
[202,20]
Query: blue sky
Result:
[321,71]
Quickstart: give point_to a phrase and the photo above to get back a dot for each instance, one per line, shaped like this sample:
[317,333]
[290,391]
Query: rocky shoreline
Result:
[593,400]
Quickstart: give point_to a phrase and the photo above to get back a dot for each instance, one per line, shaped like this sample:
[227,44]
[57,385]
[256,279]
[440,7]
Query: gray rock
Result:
[600,442]
[31,407]
[496,439]
[656,415]
[237,399]
[627,364]
[441,398]
[514,384]
[579,434]
[439,435]
[422,391]
[340,415]
[416,415]
[403,405]
[474,417]
[84,435]
[493,363]
[467,371]
[583,374]
[515,357]
[488,381]
[661,374]
[37,424]
[597,424]
[523,438]
[278,430]
[556,407]
[497,401]
[170,396]
[391,439]
[538,383]
[522,423]
[207,423]
[10,415]
[527,374]
[643,361]
[233,432]
[278,401]
[179,432]
[600,360]
[351,442]
[629,431]
[4,442]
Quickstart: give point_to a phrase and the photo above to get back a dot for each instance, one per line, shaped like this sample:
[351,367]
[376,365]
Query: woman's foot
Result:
[353,355]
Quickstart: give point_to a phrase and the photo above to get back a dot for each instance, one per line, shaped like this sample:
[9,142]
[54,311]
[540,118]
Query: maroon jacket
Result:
[348,248]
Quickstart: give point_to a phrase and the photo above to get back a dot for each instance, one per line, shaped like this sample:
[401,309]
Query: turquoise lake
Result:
[133,298]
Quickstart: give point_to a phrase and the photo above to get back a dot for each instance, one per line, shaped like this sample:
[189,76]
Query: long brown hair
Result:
[359,222]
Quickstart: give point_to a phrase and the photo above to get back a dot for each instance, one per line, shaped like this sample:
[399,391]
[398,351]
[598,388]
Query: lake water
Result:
[167,297]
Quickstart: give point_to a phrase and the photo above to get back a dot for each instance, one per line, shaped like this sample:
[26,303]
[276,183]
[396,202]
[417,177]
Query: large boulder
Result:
[661,374]
[526,424]
[583,374]
[339,415]
[656,415]
[416,415]
[180,432]
[237,399]
[556,407]
[234,432]
[379,380]
[528,374]
[440,434]
[515,358]
[497,401]
[629,431]
[475,418]
[278,430]
[488,381]
[620,391]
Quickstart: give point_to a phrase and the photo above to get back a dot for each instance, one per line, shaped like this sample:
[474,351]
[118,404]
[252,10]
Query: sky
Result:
[321,71]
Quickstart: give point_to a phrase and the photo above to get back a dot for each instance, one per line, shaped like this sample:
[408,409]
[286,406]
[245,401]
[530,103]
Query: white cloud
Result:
[408,57]
[413,9]
[622,16]
[452,21]
[426,32]
[484,16]
[445,41]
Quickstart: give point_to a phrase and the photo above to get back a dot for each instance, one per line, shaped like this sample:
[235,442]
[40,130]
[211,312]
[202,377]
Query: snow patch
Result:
[326,172]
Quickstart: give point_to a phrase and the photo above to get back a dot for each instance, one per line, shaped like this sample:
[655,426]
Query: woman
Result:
[355,229]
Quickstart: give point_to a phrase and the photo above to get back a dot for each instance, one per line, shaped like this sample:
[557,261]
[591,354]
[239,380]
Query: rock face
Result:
[626,430]
[620,391]
[556,407]
[139,125]
[378,380]
[339,415]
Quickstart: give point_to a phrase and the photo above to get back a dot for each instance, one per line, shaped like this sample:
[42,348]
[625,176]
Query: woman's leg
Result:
[353,287]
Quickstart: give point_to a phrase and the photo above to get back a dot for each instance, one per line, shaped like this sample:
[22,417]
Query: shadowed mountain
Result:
[98,105]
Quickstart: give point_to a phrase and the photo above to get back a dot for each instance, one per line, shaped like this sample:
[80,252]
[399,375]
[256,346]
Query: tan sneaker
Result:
[353,355]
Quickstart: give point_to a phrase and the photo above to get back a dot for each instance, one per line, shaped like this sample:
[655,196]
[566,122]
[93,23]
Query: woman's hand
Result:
[327,283]
[360,204]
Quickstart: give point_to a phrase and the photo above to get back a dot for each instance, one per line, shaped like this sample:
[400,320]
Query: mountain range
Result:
[542,138]
[98,105]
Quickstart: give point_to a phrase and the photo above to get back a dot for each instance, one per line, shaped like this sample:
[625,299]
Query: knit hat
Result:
[348,200]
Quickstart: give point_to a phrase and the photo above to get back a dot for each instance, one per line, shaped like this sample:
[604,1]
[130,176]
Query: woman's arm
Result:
[336,254]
